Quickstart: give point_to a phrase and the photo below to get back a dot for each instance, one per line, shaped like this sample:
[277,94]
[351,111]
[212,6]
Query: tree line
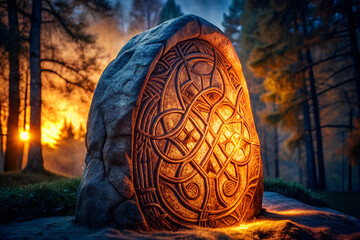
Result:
[300,59]
[46,43]
[303,59]
[36,38]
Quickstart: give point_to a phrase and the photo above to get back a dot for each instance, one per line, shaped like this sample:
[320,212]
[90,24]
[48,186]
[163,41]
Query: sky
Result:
[213,13]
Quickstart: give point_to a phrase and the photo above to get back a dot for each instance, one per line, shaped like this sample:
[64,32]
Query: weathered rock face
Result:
[171,139]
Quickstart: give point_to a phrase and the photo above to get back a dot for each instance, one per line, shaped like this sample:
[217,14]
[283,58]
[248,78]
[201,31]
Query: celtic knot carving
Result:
[196,158]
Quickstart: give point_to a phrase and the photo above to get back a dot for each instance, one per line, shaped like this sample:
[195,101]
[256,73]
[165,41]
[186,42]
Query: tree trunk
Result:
[22,144]
[350,176]
[276,151]
[301,179]
[343,166]
[35,159]
[350,167]
[2,160]
[266,158]
[356,55]
[311,180]
[319,143]
[359,177]
[316,112]
[354,48]
[12,139]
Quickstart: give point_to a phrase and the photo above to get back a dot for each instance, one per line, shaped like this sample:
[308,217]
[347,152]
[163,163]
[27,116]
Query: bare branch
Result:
[22,12]
[88,89]
[46,22]
[333,126]
[53,12]
[337,72]
[61,63]
[328,89]
[324,82]
[322,61]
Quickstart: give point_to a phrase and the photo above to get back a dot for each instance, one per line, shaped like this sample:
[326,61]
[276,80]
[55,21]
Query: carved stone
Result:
[171,132]
[196,155]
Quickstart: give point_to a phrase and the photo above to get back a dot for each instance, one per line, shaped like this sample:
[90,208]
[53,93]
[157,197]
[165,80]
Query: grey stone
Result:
[128,214]
[106,186]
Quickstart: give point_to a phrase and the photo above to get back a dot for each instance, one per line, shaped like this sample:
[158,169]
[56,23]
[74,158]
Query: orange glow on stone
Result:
[196,154]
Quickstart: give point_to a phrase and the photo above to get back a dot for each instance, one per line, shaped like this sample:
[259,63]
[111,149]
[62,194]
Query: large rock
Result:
[170,136]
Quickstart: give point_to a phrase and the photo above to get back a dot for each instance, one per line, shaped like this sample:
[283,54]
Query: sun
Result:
[25,136]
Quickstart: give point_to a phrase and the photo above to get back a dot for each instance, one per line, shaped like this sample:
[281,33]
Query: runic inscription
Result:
[196,155]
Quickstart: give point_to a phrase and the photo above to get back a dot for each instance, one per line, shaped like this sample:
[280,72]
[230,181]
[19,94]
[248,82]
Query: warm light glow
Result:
[24,136]
[50,133]
[51,129]
[254,225]
[297,212]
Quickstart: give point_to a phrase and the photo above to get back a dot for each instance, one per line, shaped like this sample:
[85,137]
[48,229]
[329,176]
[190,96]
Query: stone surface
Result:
[199,164]
[283,218]
[196,154]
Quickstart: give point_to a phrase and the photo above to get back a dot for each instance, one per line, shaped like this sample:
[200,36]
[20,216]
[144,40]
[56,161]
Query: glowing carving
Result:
[196,155]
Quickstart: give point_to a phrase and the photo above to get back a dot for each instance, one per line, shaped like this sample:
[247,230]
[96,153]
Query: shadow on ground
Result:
[282,218]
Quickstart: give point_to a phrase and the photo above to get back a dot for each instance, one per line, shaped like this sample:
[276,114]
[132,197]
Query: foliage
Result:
[170,10]
[66,157]
[306,55]
[67,131]
[39,200]
[233,22]
[295,190]
[70,59]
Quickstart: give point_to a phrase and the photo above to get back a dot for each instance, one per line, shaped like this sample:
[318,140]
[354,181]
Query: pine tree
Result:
[144,14]
[274,58]
[35,162]
[170,10]
[233,22]
[81,133]
[2,160]
[69,21]
[304,54]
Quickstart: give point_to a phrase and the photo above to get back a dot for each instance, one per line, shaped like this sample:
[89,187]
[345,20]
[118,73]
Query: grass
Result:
[54,198]
[297,191]
[45,194]
[21,178]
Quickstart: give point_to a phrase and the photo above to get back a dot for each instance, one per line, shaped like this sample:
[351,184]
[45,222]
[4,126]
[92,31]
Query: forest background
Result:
[300,59]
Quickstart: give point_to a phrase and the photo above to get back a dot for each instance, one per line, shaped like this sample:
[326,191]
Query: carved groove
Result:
[196,158]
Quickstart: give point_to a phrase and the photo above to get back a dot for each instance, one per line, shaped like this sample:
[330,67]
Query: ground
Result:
[282,218]
[346,202]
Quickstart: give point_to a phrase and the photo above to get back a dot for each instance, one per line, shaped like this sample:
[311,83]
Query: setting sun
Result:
[24,136]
